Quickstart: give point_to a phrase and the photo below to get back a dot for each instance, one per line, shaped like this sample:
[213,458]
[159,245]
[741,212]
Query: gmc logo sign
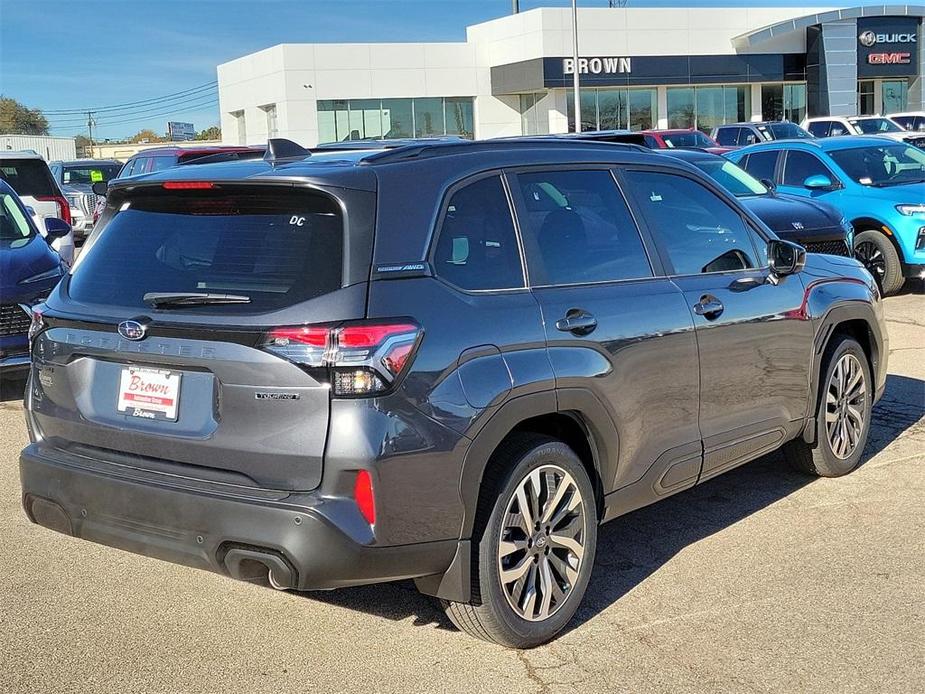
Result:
[889,58]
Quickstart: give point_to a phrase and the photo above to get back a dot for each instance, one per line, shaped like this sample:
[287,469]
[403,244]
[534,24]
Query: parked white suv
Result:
[28,174]
[832,126]
[913,121]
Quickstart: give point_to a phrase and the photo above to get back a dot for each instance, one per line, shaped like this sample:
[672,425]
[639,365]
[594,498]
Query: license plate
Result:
[149,393]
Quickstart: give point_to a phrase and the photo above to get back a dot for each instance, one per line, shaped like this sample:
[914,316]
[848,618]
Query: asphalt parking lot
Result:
[761,580]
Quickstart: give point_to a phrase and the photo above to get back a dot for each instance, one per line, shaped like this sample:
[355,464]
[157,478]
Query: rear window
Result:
[277,248]
[28,177]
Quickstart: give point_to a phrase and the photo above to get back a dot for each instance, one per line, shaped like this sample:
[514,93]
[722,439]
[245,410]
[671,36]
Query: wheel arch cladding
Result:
[854,320]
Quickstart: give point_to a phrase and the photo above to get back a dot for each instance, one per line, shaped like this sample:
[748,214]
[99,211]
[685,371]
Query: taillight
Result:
[64,208]
[363,495]
[361,358]
[37,324]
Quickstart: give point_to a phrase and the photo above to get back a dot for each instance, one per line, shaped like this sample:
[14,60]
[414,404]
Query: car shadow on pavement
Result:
[634,546]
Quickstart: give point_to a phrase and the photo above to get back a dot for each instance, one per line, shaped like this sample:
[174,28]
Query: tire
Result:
[516,467]
[826,458]
[879,256]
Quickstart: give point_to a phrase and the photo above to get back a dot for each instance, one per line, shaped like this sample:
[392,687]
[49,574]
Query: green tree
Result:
[146,134]
[213,133]
[17,119]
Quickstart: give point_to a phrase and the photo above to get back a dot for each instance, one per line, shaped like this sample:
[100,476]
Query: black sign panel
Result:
[888,46]
[655,70]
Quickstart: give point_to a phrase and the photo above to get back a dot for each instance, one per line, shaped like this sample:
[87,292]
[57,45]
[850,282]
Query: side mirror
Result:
[100,187]
[785,258]
[56,228]
[769,184]
[818,182]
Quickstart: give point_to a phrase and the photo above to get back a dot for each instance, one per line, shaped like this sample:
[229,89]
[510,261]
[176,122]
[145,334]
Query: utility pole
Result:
[575,70]
[90,129]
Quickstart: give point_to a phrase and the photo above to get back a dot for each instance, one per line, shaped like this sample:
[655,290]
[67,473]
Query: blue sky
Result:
[68,54]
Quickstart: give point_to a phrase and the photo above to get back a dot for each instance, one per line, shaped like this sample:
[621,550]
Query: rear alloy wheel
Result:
[842,414]
[534,545]
[541,544]
[877,253]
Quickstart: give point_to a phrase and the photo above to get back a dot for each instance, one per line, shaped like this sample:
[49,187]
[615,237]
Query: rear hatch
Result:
[32,181]
[154,352]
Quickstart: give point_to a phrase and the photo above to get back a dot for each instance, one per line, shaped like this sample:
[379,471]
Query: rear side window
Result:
[277,248]
[747,136]
[698,230]
[28,177]
[581,227]
[477,246]
[761,165]
[819,128]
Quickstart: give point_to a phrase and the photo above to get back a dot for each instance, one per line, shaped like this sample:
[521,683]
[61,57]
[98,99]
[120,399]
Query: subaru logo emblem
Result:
[132,330]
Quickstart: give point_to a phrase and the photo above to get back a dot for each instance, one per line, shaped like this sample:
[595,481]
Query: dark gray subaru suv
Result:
[447,362]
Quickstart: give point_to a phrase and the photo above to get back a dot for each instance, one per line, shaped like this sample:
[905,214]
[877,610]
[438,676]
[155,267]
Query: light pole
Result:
[575,66]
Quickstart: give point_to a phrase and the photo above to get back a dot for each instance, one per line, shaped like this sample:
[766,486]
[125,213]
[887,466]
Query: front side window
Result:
[581,227]
[728,137]
[882,165]
[13,224]
[477,245]
[761,165]
[798,166]
[699,232]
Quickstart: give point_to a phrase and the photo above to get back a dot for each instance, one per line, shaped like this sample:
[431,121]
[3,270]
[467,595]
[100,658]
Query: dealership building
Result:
[638,67]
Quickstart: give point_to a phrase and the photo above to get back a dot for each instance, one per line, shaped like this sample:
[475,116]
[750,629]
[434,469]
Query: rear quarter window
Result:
[28,177]
[278,248]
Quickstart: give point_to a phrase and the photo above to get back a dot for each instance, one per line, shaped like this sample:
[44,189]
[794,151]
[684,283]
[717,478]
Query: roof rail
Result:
[280,150]
[419,151]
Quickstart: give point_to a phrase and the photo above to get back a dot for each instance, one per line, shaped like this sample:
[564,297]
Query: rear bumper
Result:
[315,542]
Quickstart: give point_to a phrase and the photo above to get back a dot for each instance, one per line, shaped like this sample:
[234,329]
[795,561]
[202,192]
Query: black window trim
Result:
[520,211]
[437,229]
[725,196]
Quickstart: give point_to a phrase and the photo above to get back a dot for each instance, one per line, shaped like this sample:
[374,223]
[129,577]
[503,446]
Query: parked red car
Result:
[682,137]
[158,158]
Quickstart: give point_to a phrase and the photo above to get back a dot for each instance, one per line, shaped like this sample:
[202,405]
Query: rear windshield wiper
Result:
[167,299]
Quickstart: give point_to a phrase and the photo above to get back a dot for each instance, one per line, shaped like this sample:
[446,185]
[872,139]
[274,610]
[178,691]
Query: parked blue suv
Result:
[878,184]
[29,270]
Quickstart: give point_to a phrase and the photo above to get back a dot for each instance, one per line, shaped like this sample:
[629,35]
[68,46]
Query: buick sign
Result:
[132,330]
[869,38]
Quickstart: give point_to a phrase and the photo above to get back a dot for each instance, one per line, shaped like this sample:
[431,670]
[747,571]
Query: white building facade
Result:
[640,68]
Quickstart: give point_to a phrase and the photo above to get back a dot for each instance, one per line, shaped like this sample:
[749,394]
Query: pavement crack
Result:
[532,672]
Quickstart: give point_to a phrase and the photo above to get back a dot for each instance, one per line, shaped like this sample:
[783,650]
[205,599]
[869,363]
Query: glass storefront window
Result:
[895,96]
[363,119]
[397,118]
[866,105]
[428,117]
[705,108]
[681,107]
[614,109]
[458,117]
[643,108]
[783,102]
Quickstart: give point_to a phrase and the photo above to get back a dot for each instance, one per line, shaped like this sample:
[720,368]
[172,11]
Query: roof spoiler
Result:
[279,149]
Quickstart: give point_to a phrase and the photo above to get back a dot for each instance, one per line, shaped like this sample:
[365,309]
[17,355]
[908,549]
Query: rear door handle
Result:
[577,322]
[709,307]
